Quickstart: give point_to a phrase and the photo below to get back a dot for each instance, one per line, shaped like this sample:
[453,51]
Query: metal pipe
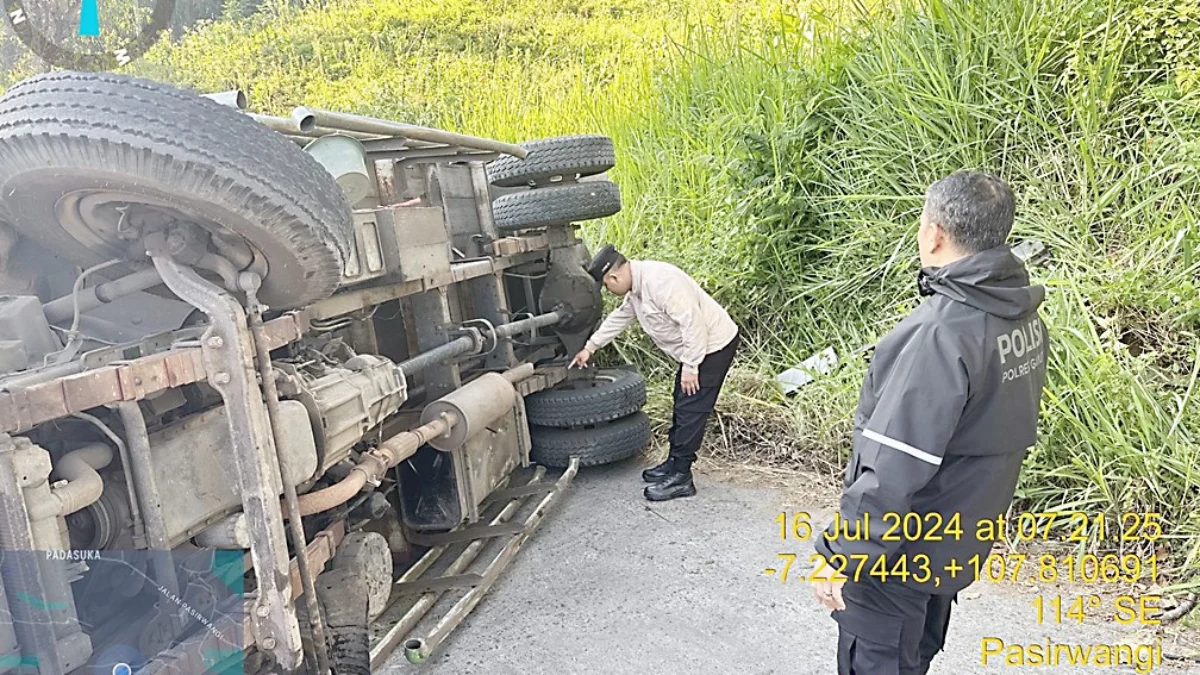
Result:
[84,485]
[42,376]
[317,650]
[289,127]
[420,362]
[233,249]
[92,297]
[381,651]
[508,330]
[222,268]
[75,338]
[309,118]
[418,650]
[320,501]
[515,375]
[373,465]
[31,621]
[234,98]
[139,527]
[462,345]
[137,440]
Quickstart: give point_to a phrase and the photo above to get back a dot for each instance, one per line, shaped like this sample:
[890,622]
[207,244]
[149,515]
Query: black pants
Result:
[691,412]
[889,628]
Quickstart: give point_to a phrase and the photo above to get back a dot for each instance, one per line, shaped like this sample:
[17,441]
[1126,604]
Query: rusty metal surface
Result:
[21,572]
[346,302]
[22,409]
[466,534]
[320,551]
[228,355]
[315,650]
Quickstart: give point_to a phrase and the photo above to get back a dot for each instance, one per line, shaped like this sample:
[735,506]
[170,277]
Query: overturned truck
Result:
[273,386]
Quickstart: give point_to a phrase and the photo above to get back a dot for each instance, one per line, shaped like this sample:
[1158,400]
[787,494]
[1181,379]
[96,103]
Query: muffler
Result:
[475,406]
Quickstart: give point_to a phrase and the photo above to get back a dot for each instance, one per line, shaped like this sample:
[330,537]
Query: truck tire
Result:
[341,596]
[557,205]
[605,396]
[551,160]
[84,156]
[601,444]
[368,556]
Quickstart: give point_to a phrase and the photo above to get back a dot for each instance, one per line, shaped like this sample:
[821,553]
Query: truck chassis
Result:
[342,441]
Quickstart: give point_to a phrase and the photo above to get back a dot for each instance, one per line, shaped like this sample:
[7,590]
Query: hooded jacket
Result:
[947,412]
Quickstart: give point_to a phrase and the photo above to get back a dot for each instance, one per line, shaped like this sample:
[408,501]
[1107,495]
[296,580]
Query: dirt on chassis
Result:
[263,380]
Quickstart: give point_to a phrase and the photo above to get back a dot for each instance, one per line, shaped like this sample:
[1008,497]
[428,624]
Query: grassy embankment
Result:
[782,159]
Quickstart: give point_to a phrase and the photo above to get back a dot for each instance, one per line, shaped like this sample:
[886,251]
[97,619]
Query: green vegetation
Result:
[781,157]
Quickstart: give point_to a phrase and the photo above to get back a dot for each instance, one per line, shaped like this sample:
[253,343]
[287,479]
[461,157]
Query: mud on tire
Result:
[342,600]
[601,444]
[77,149]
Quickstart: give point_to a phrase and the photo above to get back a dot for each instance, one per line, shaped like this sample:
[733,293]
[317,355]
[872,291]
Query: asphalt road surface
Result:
[613,585]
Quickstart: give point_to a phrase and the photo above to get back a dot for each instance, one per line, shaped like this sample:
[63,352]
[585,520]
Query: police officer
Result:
[945,417]
[689,326]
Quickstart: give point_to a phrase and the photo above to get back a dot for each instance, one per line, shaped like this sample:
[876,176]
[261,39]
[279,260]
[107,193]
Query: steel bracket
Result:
[489,331]
[477,340]
[228,356]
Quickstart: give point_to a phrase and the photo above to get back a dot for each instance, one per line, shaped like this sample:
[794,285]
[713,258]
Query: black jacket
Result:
[947,412]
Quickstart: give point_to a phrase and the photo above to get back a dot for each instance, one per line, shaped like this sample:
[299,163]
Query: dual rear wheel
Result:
[559,177]
[597,418]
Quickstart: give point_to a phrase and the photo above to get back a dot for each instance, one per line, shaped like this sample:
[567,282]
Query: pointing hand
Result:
[581,359]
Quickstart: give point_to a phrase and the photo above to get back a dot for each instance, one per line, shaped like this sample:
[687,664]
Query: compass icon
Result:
[89,18]
[96,43]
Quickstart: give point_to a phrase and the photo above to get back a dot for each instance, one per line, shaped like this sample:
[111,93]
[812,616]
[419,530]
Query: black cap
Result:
[603,261]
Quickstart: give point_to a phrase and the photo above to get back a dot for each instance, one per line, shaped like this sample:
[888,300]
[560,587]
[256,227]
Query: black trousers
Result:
[889,628]
[691,412]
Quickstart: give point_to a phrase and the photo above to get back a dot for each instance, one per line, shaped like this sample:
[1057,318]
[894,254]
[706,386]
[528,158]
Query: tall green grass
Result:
[781,157]
[808,155]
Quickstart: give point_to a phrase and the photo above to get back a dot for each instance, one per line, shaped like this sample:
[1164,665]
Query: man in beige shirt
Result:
[690,327]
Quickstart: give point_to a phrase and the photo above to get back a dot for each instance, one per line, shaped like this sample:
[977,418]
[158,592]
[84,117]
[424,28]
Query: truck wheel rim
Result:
[591,382]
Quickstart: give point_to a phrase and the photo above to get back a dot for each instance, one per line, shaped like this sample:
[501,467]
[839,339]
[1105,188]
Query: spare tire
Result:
[551,160]
[88,159]
[604,396]
[602,444]
[557,205]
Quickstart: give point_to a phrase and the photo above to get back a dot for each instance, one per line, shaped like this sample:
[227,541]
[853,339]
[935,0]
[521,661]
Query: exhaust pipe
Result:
[374,465]
[311,118]
[234,98]
[447,423]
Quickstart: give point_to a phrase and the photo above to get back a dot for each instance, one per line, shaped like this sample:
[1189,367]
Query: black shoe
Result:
[656,473]
[677,484]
